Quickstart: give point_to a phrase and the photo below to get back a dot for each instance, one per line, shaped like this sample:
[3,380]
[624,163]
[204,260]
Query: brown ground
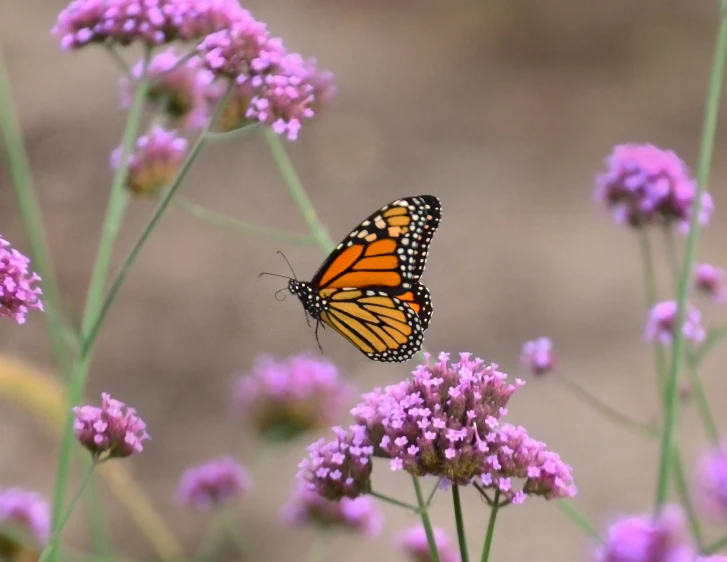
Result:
[502,109]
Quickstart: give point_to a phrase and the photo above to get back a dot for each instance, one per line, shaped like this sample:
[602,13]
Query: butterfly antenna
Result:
[319,323]
[290,266]
[280,294]
[274,275]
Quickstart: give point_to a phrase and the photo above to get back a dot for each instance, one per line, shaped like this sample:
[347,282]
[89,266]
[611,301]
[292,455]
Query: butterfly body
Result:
[368,289]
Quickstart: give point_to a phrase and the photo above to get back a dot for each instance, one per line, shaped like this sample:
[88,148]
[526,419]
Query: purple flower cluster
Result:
[111,431]
[710,280]
[644,184]
[154,163]
[18,292]
[284,399]
[538,357]
[641,539]
[179,90]
[213,484]
[359,514]
[414,543]
[151,22]
[24,523]
[662,318]
[712,484]
[277,88]
[340,468]
[445,422]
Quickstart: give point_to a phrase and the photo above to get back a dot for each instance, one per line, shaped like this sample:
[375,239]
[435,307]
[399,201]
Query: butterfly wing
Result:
[383,327]
[419,299]
[389,249]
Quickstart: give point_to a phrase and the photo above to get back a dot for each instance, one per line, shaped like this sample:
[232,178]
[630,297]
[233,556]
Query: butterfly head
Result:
[312,302]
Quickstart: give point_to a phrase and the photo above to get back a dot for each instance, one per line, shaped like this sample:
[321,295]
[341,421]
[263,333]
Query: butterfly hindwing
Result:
[382,326]
[388,249]
[419,299]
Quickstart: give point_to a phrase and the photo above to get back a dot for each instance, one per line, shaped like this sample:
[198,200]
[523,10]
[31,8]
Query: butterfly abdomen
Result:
[311,299]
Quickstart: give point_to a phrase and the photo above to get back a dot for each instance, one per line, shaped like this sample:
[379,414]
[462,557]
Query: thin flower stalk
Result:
[678,351]
[426,522]
[489,536]
[459,520]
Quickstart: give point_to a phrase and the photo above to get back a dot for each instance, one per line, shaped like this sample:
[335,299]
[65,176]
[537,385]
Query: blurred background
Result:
[504,110]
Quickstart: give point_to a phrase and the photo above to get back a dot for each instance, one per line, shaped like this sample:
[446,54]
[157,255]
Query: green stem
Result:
[235,534]
[650,291]
[393,501]
[241,226]
[434,491]
[213,540]
[317,551]
[459,520]
[52,548]
[569,510]
[703,169]
[118,60]
[32,220]
[685,499]
[715,546]
[153,221]
[605,409]
[296,190]
[112,223]
[491,527]
[240,133]
[426,522]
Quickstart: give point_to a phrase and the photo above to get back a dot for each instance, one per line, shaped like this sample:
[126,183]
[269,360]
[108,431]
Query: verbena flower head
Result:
[284,399]
[662,318]
[444,422]
[24,523]
[18,290]
[272,86]
[710,280]
[150,22]
[339,468]
[154,162]
[111,431]
[178,91]
[538,357]
[306,507]
[640,539]
[212,484]
[712,484]
[414,543]
[644,184]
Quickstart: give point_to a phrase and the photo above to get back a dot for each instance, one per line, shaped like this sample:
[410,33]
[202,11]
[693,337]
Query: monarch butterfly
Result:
[368,288]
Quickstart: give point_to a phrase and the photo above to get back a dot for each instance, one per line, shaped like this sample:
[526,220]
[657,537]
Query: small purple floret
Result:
[661,320]
[18,290]
[212,484]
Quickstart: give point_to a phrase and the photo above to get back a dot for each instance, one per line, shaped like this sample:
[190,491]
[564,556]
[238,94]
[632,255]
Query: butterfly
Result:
[368,288]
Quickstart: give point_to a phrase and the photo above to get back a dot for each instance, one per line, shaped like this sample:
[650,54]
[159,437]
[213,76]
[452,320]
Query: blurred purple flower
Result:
[154,163]
[538,357]
[414,543]
[639,539]
[151,22]
[339,468]
[273,87]
[284,399]
[111,431]
[661,319]
[711,484]
[213,484]
[644,184]
[358,514]
[24,523]
[710,280]
[17,290]
[444,422]
[179,91]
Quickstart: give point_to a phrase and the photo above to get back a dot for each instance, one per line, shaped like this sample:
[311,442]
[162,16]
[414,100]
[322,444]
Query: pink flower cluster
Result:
[414,543]
[113,430]
[18,292]
[24,522]
[359,514]
[154,163]
[284,399]
[538,357]
[712,484]
[212,484]
[661,320]
[151,22]
[710,280]
[445,422]
[644,184]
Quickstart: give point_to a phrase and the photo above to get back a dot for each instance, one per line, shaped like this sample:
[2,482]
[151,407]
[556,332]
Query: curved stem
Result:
[491,527]
[703,169]
[459,520]
[112,223]
[426,522]
[92,333]
[239,225]
[569,510]
[393,501]
[682,487]
[434,491]
[605,409]
[715,546]
[240,133]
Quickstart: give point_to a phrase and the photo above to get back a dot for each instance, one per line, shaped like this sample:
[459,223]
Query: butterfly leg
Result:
[307,318]
[318,324]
